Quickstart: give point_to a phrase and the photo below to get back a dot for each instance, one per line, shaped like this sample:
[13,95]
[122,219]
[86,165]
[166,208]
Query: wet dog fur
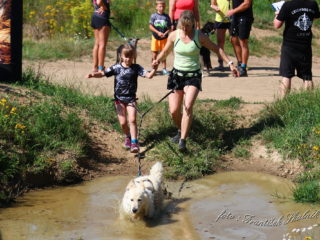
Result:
[134,43]
[143,196]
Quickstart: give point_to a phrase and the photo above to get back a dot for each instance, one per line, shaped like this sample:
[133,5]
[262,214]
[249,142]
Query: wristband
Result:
[229,63]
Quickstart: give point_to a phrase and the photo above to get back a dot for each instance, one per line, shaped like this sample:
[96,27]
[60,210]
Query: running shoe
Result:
[182,145]
[134,147]
[243,72]
[165,72]
[127,143]
[176,138]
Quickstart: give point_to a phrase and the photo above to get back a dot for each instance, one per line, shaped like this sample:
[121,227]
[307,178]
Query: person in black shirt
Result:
[296,50]
[241,21]
[125,87]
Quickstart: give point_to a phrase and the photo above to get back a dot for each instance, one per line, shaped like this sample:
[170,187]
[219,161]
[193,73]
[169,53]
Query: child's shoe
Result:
[165,72]
[127,143]
[134,147]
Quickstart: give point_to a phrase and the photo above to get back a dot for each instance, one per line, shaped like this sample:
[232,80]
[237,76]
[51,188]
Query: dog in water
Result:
[134,43]
[207,29]
[143,196]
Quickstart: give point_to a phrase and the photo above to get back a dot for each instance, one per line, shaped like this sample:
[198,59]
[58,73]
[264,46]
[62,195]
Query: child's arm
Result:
[151,73]
[153,29]
[95,75]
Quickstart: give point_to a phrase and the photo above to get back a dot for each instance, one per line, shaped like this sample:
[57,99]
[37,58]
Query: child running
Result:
[160,25]
[125,87]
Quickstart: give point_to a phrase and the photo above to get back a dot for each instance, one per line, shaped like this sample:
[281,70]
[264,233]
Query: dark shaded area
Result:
[232,137]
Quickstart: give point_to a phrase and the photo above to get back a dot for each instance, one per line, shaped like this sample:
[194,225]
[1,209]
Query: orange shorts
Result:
[157,45]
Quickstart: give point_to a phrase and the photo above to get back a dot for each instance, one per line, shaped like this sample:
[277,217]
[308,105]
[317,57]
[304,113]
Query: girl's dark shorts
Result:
[98,22]
[177,81]
[296,58]
[222,25]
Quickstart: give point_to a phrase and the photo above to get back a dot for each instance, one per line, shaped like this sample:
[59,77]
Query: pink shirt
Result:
[182,5]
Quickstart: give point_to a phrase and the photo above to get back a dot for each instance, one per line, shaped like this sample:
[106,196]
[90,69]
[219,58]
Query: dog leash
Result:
[142,115]
[118,31]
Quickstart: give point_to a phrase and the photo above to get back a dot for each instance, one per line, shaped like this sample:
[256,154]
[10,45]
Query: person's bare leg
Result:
[103,39]
[244,50]
[154,55]
[132,119]
[175,101]
[221,33]
[285,86]
[237,48]
[191,93]
[164,64]
[122,117]
[95,50]
[308,85]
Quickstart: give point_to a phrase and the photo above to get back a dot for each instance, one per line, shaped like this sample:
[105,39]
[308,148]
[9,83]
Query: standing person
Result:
[222,23]
[185,77]
[176,7]
[241,22]
[125,87]
[101,25]
[296,50]
[160,25]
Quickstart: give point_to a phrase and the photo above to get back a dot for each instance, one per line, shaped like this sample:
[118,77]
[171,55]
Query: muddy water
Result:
[227,206]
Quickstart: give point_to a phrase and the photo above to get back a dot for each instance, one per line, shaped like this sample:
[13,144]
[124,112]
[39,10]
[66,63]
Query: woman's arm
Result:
[206,42]
[196,14]
[166,50]
[172,8]
[214,5]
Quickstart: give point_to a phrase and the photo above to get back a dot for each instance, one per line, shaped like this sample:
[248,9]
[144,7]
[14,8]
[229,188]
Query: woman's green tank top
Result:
[187,54]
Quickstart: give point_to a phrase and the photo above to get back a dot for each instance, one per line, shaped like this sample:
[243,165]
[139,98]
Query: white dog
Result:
[143,196]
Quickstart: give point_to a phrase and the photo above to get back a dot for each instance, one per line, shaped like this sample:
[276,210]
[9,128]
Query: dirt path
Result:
[260,86]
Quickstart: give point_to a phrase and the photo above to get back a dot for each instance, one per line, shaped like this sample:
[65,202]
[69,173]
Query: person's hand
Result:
[160,34]
[234,70]
[215,8]
[229,13]
[101,10]
[155,64]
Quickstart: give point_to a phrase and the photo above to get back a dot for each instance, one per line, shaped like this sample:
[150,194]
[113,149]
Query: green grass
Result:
[55,49]
[296,134]
[32,135]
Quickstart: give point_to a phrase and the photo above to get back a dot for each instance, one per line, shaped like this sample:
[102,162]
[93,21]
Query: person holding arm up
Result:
[185,77]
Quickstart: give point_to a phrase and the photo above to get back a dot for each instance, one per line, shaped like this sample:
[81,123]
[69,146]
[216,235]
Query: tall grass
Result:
[297,136]
[33,134]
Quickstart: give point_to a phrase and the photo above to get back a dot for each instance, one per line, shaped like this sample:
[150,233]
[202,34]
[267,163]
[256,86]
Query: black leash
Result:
[142,115]
[120,33]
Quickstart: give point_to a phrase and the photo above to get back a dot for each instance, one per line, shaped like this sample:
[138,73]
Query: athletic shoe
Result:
[165,72]
[219,68]
[127,143]
[182,145]
[243,72]
[176,138]
[134,147]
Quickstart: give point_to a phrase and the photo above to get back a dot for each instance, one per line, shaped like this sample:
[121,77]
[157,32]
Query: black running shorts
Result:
[178,82]
[222,25]
[296,58]
[98,22]
[241,27]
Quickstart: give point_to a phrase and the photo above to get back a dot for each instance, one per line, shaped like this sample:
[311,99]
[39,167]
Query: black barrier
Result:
[10,40]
